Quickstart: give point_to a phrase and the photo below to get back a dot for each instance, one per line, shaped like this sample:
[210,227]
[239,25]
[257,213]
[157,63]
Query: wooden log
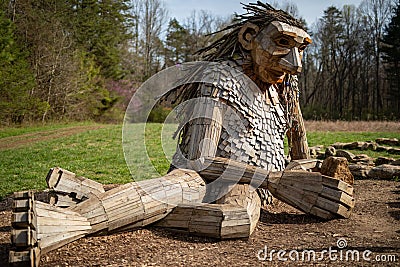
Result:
[297,135]
[384,172]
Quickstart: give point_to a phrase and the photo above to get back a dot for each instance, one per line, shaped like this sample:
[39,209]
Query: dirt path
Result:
[374,226]
[30,138]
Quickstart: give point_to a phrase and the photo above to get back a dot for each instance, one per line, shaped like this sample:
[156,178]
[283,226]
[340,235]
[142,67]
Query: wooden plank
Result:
[43,222]
[43,237]
[23,220]
[60,216]
[24,195]
[293,196]
[338,196]
[333,207]
[29,257]
[321,213]
[334,183]
[54,241]
[16,257]
[23,205]
[44,206]
[239,231]
[65,201]
[303,184]
[59,240]
[231,223]
[23,237]
[62,228]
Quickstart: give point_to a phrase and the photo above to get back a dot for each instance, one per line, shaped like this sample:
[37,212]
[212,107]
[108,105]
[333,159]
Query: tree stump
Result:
[337,167]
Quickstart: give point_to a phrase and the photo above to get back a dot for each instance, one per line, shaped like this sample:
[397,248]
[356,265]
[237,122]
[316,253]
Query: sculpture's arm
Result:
[297,132]
[205,130]
[297,136]
[310,192]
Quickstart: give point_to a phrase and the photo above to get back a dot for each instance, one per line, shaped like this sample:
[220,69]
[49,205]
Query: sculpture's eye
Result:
[283,42]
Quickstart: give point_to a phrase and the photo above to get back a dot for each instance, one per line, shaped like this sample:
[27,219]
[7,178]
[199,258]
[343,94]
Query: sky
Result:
[310,10]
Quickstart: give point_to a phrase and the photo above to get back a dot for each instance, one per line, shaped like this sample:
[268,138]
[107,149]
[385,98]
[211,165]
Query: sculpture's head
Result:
[275,50]
[272,39]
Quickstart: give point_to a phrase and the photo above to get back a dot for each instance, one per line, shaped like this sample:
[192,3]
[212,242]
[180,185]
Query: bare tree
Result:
[151,17]
[201,24]
[377,13]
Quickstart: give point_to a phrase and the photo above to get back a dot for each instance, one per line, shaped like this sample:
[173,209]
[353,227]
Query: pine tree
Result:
[176,45]
[101,29]
[390,47]
[16,79]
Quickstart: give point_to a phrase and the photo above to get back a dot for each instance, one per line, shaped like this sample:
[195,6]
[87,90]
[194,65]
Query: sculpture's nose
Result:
[291,63]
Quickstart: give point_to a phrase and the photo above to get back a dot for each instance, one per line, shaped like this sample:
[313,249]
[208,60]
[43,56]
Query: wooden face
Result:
[277,50]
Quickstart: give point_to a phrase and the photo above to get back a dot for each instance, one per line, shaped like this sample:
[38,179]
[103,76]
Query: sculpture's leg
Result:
[45,227]
[234,216]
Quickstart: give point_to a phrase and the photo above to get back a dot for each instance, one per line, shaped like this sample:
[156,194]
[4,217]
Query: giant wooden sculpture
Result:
[266,45]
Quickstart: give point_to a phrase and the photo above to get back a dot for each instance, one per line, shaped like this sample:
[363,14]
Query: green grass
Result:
[98,154]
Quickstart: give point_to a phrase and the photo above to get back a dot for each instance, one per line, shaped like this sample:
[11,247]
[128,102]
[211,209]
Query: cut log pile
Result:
[362,166]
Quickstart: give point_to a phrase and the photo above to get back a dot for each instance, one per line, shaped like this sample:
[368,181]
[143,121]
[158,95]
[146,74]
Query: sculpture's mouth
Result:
[274,76]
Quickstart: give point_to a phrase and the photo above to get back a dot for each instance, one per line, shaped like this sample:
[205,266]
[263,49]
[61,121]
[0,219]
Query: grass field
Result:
[95,151]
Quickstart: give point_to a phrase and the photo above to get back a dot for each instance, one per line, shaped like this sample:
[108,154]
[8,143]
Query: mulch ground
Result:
[374,226]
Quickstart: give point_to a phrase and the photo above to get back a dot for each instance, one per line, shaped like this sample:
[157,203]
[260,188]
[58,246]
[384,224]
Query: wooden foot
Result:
[70,189]
[222,221]
[235,215]
[245,196]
